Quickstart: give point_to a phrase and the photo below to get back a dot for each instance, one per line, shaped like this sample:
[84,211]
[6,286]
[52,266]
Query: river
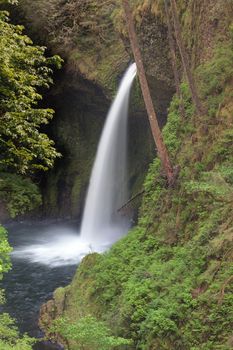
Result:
[34,276]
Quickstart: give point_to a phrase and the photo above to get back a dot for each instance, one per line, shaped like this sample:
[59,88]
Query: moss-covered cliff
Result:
[91,35]
[168,284]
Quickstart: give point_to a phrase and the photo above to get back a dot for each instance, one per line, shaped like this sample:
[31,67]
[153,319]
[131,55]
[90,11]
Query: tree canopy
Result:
[24,70]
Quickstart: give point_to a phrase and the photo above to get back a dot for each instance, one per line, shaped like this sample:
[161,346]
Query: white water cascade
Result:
[108,185]
[102,224]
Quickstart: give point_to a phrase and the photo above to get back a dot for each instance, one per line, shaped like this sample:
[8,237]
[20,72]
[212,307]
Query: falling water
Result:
[108,186]
[102,224]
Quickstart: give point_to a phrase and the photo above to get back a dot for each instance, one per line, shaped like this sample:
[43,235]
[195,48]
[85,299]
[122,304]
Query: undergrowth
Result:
[19,194]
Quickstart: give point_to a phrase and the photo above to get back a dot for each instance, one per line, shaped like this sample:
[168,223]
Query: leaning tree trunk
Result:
[173,60]
[184,58]
[162,150]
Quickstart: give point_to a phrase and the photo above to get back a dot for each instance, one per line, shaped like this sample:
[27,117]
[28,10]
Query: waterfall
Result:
[102,224]
[107,190]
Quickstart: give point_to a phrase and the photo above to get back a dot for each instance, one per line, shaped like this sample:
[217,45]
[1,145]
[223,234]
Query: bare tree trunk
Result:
[173,60]
[184,58]
[162,150]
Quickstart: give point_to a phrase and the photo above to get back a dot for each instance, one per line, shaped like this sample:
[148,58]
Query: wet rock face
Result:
[203,25]
[49,311]
[81,31]
[47,345]
[92,37]
[154,44]
[80,111]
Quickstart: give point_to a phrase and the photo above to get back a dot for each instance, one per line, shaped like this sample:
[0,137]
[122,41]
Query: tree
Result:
[23,70]
[157,135]
[184,58]
[24,148]
[173,59]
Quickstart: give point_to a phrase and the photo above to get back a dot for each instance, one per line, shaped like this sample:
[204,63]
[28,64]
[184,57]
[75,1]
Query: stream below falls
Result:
[34,277]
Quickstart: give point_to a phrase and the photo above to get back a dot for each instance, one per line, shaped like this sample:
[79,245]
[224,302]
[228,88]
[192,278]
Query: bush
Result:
[88,333]
[20,194]
[23,70]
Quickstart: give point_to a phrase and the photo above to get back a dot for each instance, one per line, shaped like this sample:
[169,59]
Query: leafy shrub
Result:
[88,333]
[23,70]
[20,194]
[10,338]
[212,184]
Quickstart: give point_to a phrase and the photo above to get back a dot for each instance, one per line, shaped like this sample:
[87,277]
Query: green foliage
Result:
[177,129]
[226,171]
[213,76]
[173,128]
[10,338]
[20,194]
[150,283]
[222,147]
[212,184]
[5,266]
[187,101]
[159,293]
[88,333]
[23,69]
[5,249]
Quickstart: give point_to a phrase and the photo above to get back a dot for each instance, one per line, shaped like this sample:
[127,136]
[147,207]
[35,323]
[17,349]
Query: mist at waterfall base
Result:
[102,224]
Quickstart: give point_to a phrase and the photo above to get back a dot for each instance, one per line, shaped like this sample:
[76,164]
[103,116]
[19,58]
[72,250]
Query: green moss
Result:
[213,76]
[107,68]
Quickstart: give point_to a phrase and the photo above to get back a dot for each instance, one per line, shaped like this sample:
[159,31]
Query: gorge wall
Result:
[91,37]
